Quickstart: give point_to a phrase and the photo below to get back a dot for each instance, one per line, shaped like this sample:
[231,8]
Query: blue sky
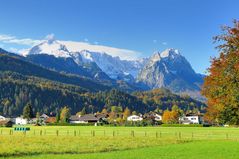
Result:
[143,26]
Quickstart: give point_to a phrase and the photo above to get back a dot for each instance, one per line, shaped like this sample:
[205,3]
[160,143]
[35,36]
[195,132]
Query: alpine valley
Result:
[53,74]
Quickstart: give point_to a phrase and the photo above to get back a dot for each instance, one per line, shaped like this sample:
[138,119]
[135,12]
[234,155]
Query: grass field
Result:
[120,142]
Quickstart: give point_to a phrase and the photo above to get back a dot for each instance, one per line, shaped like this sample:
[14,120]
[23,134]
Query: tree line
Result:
[47,96]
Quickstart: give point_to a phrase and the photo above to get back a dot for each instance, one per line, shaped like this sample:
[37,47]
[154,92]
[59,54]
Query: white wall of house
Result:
[158,117]
[21,121]
[134,118]
[78,122]
[2,118]
[191,119]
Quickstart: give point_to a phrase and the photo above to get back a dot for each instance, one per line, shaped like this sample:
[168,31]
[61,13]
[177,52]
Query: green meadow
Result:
[120,142]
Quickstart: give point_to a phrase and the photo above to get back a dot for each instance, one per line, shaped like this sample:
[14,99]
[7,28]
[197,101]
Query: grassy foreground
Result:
[192,150]
[120,142]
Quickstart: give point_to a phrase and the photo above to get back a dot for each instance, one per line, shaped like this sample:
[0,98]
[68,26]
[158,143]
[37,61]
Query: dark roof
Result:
[193,114]
[74,118]
[150,115]
[5,122]
[88,117]
[100,116]
[44,116]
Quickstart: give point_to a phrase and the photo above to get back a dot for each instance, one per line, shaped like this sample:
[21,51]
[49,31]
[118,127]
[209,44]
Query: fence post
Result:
[113,133]
[74,133]
[156,134]
[57,133]
[40,132]
[93,133]
[179,135]
[160,134]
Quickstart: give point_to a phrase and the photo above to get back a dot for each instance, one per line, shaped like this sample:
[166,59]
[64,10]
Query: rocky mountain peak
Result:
[171,70]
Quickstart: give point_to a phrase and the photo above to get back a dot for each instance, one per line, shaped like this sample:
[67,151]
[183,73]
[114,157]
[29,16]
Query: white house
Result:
[44,117]
[21,121]
[158,117]
[134,118]
[191,119]
[2,118]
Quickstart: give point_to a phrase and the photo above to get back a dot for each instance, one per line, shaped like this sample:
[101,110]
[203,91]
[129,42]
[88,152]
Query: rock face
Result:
[167,69]
[171,70]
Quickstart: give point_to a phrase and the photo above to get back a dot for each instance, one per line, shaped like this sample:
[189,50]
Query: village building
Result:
[21,121]
[2,118]
[152,116]
[6,123]
[44,117]
[191,119]
[134,118]
[88,118]
[74,119]
[50,120]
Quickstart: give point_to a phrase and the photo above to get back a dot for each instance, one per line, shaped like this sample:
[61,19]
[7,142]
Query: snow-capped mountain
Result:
[50,47]
[171,70]
[114,67]
[166,69]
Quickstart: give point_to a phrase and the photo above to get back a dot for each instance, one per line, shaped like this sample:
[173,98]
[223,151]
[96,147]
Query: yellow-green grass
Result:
[189,150]
[90,141]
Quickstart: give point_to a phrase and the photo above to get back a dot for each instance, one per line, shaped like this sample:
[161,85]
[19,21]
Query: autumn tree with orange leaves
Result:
[221,86]
[170,117]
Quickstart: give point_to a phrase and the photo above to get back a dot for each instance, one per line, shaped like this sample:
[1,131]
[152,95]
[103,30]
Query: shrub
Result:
[182,125]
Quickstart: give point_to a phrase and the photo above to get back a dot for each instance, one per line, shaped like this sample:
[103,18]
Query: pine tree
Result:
[27,111]
[57,116]
[38,118]
[83,111]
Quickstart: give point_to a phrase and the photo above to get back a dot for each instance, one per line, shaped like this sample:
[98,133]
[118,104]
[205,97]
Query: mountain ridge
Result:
[168,68]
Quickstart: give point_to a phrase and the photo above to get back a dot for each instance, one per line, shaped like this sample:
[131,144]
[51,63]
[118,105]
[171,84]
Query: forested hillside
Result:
[163,99]
[22,82]
[15,64]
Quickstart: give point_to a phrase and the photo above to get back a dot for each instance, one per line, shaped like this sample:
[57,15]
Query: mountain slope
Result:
[54,55]
[22,82]
[167,69]
[171,70]
[164,99]
[114,67]
[15,64]
[68,65]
